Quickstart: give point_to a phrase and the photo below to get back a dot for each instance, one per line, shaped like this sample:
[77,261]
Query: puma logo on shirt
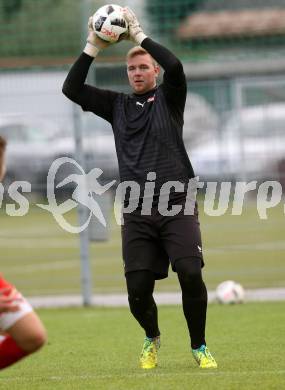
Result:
[150,99]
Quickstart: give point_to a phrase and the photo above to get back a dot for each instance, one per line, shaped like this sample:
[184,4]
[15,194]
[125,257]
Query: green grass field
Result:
[41,258]
[99,348]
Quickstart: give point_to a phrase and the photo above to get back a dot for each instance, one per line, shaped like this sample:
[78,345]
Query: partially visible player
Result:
[22,331]
[2,157]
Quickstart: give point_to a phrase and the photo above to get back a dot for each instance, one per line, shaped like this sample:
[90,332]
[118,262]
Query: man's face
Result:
[142,73]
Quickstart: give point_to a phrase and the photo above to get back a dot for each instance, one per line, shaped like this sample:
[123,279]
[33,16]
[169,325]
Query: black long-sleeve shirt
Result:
[148,135]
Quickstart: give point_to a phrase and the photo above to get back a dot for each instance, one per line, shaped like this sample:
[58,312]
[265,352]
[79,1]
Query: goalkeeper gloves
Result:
[136,33]
[94,43]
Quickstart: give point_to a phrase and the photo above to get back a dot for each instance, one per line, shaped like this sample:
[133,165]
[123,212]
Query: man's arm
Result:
[89,97]
[174,74]
[174,84]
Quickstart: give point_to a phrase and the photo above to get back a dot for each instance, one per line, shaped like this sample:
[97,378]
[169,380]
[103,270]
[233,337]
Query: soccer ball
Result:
[230,292]
[108,22]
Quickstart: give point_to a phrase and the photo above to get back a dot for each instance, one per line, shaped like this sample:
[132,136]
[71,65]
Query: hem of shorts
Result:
[158,275]
[185,257]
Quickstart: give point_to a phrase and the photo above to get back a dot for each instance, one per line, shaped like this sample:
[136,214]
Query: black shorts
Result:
[153,242]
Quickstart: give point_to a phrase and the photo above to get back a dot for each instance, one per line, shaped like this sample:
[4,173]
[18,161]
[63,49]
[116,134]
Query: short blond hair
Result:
[138,51]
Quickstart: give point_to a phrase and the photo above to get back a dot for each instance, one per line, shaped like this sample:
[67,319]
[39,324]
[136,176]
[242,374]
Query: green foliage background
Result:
[57,28]
[42,28]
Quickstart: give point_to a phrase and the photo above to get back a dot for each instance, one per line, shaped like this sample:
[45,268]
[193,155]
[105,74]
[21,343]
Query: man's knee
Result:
[29,333]
[140,284]
[190,267]
[37,340]
[33,342]
[190,274]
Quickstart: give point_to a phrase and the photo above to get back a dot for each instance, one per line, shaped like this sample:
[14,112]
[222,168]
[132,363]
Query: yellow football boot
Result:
[204,358]
[148,357]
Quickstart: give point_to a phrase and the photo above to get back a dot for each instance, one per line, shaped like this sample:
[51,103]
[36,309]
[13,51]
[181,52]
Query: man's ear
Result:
[157,70]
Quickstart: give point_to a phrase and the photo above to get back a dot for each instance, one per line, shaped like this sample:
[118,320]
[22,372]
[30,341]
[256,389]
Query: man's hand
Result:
[9,300]
[94,43]
[93,37]
[136,33]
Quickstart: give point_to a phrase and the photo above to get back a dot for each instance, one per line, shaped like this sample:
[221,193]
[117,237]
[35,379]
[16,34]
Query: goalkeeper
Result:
[147,126]
[22,332]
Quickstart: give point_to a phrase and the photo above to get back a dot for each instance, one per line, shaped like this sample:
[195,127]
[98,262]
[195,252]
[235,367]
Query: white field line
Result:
[260,246]
[70,242]
[75,263]
[38,242]
[52,265]
[121,300]
[190,372]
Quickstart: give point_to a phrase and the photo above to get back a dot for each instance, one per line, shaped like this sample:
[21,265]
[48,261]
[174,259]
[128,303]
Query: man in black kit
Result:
[147,126]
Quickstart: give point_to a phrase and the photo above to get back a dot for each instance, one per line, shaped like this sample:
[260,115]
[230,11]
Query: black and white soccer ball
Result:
[108,22]
[230,292]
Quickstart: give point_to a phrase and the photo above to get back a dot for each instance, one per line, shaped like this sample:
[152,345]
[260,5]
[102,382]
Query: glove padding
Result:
[136,33]
[94,43]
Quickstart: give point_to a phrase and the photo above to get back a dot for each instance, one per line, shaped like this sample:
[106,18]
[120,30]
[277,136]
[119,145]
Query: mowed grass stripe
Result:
[99,349]
[242,248]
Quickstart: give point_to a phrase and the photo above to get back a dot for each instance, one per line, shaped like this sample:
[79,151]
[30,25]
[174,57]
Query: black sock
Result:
[140,286]
[194,298]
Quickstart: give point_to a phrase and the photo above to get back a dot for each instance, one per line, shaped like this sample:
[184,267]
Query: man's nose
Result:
[137,71]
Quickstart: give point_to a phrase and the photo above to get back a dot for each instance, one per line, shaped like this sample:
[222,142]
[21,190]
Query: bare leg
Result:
[28,332]
[26,336]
